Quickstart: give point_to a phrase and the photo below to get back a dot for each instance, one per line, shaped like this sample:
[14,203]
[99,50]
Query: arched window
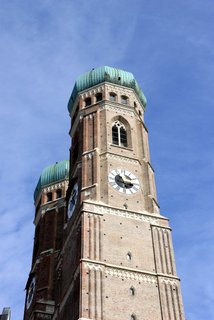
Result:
[99,97]
[124,100]
[119,134]
[87,102]
[112,96]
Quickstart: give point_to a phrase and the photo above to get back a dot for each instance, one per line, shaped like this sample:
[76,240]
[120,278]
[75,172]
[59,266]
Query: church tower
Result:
[114,259]
[49,220]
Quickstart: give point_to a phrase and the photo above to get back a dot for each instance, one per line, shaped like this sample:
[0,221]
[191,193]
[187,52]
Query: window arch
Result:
[133,317]
[119,134]
[112,96]
[124,99]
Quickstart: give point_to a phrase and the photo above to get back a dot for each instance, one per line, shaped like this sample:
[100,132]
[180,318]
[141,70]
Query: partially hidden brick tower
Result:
[102,250]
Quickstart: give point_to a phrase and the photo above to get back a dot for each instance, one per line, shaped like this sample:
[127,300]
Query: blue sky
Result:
[168,45]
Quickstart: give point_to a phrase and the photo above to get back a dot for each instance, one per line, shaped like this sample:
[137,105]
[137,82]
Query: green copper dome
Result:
[58,171]
[109,74]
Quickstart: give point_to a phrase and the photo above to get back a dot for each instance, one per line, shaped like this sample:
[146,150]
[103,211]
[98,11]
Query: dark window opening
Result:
[49,196]
[115,139]
[124,100]
[99,97]
[87,102]
[112,96]
[58,193]
[123,137]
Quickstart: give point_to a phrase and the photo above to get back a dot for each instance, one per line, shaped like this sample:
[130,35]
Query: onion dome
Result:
[105,74]
[51,174]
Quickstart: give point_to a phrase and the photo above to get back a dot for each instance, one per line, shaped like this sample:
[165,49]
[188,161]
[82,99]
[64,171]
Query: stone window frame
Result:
[124,99]
[112,96]
[123,127]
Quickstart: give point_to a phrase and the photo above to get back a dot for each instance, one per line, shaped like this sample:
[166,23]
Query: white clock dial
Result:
[72,200]
[124,181]
[30,292]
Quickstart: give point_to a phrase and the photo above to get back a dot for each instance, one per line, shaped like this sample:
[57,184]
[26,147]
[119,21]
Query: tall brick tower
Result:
[50,217]
[116,258]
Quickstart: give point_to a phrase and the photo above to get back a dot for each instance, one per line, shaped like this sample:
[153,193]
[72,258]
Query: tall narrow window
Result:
[132,291]
[129,256]
[115,135]
[119,134]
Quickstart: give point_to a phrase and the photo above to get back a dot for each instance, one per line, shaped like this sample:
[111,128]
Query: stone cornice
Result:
[101,209]
[129,273]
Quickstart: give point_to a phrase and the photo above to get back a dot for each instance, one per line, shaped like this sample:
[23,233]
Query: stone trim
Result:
[129,273]
[101,209]
[118,157]
[165,279]
[90,92]
[55,186]
[118,109]
[161,227]
[115,271]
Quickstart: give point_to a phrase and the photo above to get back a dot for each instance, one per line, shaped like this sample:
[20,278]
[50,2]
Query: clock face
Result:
[123,181]
[72,200]
[30,292]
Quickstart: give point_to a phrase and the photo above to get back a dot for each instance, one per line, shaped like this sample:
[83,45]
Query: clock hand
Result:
[125,180]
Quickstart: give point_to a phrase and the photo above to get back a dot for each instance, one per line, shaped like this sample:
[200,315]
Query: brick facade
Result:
[113,257]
